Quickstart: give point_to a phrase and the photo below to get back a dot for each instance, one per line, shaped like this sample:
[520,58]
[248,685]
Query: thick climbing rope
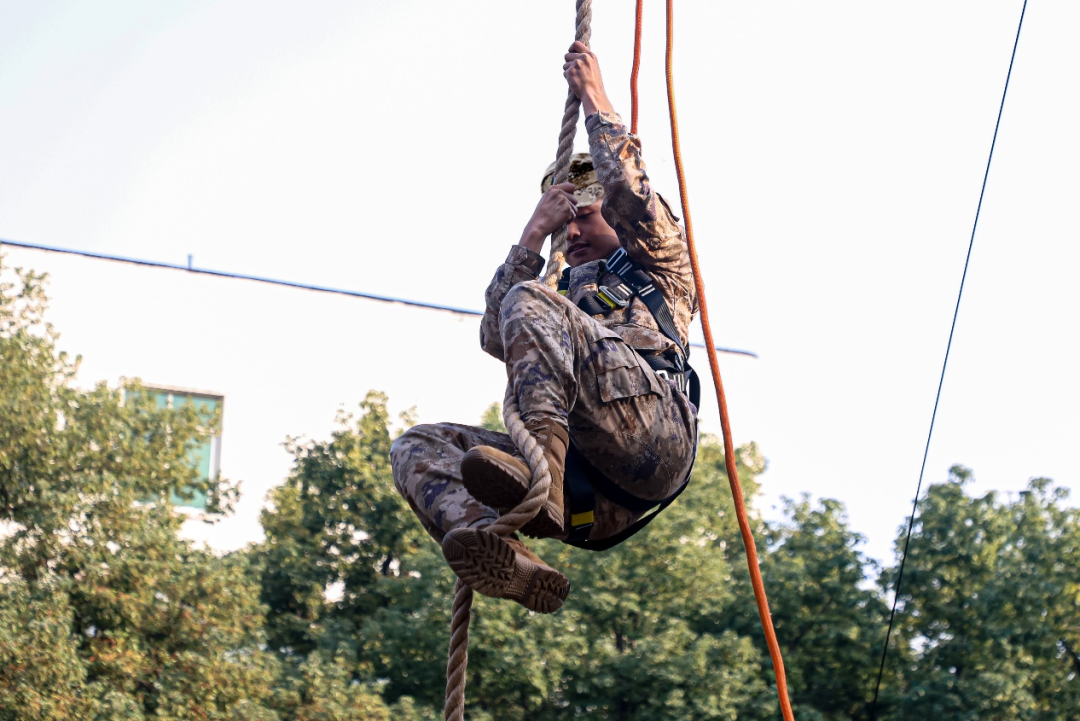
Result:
[511,521]
[582,33]
[944,365]
[721,399]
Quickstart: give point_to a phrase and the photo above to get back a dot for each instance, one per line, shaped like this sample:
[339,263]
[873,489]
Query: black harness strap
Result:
[686,380]
[620,264]
[592,306]
[580,496]
[673,366]
[581,480]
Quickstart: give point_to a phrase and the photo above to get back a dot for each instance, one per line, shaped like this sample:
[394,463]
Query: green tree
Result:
[338,527]
[829,620]
[640,637]
[665,625]
[106,612]
[41,675]
[319,688]
[989,613]
[493,418]
[649,611]
[345,566]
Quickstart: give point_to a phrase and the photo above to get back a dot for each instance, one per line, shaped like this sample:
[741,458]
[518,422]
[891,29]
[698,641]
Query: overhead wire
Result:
[944,366]
[275,281]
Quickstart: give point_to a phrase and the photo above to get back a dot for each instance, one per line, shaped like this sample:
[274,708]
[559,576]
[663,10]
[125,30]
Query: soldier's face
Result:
[589,237]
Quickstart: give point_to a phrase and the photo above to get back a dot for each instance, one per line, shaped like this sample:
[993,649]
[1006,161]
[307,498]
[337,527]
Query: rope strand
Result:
[454,708]
[582,33]
[512,520]
[721,398]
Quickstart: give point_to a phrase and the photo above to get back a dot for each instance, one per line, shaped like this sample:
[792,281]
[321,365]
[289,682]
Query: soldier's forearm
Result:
[595,102]
[533,238]
[522,264]
[649,230]
[618,162]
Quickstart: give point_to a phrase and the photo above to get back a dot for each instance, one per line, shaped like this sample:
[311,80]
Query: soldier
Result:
[581,364]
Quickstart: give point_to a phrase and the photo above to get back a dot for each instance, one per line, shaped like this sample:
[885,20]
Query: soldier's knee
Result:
[406,444]
[397,460]
[420,441]
[406,448]
[397,448]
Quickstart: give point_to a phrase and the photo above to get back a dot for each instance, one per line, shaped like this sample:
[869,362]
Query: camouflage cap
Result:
[587,188]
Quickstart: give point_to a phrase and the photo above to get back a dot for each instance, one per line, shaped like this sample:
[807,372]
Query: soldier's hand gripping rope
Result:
[556,208]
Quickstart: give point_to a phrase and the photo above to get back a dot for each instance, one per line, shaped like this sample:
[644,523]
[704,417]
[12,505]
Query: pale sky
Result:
[834,153]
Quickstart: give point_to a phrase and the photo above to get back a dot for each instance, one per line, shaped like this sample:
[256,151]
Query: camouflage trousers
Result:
[632,425]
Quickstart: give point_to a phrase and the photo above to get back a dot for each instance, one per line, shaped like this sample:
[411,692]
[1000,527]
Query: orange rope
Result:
[634,70]
[725,424]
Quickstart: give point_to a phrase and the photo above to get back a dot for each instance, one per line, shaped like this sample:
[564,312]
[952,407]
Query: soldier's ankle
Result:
[481,523]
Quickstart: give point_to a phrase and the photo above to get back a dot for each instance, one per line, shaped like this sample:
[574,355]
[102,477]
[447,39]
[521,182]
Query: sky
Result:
[834,153]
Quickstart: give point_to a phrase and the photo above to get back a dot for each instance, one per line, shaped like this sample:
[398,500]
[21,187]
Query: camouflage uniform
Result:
[584,371]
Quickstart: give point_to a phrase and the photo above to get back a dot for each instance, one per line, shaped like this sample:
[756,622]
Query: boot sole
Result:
[489,565]
[498,485]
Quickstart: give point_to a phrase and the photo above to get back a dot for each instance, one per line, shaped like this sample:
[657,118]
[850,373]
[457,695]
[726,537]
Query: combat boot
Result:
[500,480]
[504,568]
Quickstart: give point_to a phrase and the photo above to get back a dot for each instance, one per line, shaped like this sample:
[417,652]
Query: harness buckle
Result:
[617,297]
[677,378]
[618,262]
[582,521]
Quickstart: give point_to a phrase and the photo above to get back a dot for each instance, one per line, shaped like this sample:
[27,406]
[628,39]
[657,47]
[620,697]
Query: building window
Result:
[206,458]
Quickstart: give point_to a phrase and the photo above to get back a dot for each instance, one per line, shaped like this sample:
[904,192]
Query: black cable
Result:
[238,276]
[287,283]
[941,381]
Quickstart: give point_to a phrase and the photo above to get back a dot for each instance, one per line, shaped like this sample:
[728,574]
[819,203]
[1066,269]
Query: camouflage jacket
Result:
[648,230]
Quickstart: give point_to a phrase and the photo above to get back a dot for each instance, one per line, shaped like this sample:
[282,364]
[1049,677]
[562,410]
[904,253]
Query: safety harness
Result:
[581,480]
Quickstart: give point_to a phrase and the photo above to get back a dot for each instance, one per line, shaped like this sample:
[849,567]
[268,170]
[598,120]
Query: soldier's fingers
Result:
[562,200]
[579,47]
[561,191]
[568,196]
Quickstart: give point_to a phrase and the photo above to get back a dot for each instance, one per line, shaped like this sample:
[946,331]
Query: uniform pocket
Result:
[622,373]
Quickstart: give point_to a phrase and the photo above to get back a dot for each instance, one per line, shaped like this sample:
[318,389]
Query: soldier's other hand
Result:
[582,73]
[556,208]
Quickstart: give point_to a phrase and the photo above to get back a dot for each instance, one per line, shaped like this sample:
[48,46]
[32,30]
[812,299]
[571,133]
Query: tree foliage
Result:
[828,618]
[665,625]
[106,612]
[641,638]
[990,626]
[337,533]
